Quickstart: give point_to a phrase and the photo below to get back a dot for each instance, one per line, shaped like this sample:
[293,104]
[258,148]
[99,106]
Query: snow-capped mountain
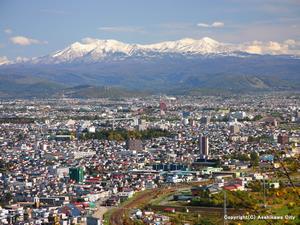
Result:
[96,50]
[90,50]
[203,46]
[171,66]
[93,50]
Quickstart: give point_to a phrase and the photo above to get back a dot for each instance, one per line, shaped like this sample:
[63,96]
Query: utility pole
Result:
[265,205]
[225,210]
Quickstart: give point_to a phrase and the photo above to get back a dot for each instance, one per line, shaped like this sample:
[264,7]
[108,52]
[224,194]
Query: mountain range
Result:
[178,67]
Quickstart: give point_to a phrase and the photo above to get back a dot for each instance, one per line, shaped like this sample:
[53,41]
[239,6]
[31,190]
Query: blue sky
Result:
[37,27]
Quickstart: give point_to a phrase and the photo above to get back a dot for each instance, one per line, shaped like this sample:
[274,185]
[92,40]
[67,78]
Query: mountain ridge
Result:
[186,64]
[95,50]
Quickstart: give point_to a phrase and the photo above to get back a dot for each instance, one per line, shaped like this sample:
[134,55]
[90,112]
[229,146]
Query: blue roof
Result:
[74,211]
[267,158]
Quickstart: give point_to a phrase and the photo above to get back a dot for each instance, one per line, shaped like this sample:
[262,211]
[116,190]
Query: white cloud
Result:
[272,47]
[4,60]
[254,49]
[275,46]
[21,40]
[203,25]
[215,24]
[290,42]
[8,31]
[121,29]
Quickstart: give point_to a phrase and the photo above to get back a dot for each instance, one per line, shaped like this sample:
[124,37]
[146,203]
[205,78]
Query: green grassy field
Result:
[281,202]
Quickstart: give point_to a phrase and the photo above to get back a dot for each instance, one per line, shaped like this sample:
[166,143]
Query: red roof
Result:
[169,209]
[92,180]
[230,187]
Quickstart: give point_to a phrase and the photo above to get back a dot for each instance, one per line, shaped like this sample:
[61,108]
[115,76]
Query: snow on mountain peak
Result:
[204,45]
[95,48]
[92,50]
[187,45]
[73,51]
[209,40]
[112,46]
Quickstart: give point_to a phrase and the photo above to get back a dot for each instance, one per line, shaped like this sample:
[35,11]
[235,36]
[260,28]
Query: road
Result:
[101,210]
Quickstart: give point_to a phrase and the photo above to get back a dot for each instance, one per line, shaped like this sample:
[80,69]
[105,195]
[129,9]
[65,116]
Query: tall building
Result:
[142,125]
[162,105]
[76,174]
[192,122]
[203,146]
[205,120]
[234,129]
[283,139]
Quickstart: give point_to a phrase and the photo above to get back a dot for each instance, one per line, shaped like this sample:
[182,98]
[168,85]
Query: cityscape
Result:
[149,112]
[153,160]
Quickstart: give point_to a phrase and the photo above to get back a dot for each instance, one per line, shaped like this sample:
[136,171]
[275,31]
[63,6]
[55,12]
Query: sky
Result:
[34,28]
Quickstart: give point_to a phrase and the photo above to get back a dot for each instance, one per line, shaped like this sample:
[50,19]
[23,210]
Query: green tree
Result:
[254,158]
[205,221]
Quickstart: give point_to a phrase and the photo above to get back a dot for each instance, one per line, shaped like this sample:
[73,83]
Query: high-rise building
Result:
[76,174]
[234,129]
[203,146]
[162,105]
[142,125]
[205,120]
[192,122]
[283,139]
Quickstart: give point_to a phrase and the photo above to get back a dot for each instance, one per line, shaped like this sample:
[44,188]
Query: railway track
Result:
[143,198]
